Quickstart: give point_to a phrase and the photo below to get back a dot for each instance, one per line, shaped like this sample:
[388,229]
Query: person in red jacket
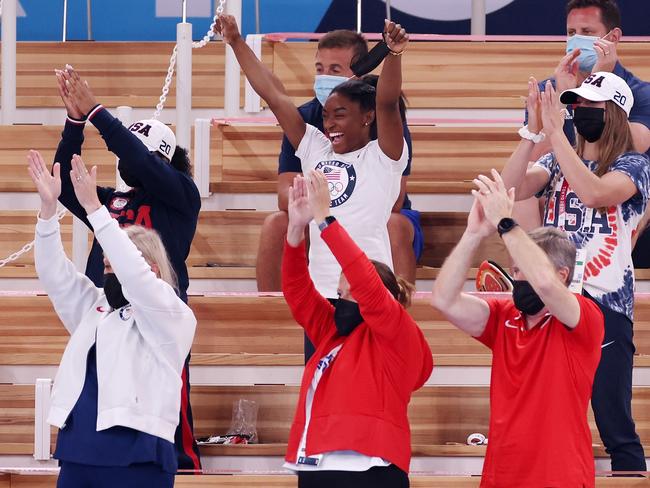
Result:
[351,427]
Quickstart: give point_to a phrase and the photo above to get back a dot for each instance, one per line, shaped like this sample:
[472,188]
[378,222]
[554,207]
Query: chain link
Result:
[172,60]
[27,247]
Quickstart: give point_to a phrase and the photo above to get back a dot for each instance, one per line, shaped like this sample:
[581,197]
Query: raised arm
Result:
[531,260]
[593,191]
[389,89]
[311,310]
[469,313]
[263,81]
[71,293]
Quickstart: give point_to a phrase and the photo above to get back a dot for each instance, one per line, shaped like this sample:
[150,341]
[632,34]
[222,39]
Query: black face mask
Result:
[346,316]
[113,291]
[589,122]
[526,299]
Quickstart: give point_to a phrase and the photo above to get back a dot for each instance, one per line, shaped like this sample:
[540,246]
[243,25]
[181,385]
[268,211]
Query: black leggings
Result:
[377,477]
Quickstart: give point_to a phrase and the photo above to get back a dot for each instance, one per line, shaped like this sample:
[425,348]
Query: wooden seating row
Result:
[441,418]
[244,159]
[436,74]
[30,480]
[247,330]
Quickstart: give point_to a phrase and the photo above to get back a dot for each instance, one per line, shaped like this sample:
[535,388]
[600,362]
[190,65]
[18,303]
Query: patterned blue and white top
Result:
[609,273]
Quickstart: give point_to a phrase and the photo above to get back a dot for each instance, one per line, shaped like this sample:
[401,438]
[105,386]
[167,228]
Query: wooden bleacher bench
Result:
[249,331]
[244,158]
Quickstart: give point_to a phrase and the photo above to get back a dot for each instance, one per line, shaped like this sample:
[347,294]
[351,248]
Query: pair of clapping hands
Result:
[75,92]
[492,203]
[309,199]
[48,184]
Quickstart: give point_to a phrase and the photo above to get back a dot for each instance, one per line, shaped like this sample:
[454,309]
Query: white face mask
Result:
[324,84]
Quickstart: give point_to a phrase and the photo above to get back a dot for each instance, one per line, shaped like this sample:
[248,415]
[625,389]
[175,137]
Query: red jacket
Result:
[361,402]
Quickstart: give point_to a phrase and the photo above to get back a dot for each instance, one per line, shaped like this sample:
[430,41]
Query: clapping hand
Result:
[48,185]
[319,195]
[84,184]
[64,93]
[534,106]
[566,72]
[77,91]
[552,112]
[495,200]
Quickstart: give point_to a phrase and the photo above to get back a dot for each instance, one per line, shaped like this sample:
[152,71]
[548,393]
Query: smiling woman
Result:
[363,174]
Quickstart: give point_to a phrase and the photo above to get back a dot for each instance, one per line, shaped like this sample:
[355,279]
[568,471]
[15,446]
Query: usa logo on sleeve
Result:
[341,180]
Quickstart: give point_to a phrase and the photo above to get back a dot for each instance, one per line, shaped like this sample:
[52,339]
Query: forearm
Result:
[514,171]
[295,235]
[262,79]
[389,86]
[582,181]
[451,278]
[531,260]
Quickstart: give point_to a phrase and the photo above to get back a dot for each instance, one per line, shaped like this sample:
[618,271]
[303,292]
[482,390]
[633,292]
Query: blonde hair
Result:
[153,250]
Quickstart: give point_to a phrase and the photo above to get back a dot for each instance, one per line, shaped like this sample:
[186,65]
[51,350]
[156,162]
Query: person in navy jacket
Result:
[163,196]
[117,393]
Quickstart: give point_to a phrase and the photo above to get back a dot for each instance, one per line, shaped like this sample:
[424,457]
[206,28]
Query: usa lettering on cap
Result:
[602,86]
[156,136]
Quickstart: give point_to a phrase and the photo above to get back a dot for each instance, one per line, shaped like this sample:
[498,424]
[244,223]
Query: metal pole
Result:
[388,9]
[478,17]
[257,16]
[184,85]
[89,21]
[8,63]
[65,18]
[232,90]
[184,11]
[359,16]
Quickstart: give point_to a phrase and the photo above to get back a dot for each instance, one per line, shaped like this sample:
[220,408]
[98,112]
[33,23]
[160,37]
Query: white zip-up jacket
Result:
[141,348]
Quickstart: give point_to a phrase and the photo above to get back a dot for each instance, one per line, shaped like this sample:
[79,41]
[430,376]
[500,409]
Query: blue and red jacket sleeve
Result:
[158,177]
[310,309]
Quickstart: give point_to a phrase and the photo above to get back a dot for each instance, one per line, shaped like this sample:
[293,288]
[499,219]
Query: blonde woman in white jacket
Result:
[116,395]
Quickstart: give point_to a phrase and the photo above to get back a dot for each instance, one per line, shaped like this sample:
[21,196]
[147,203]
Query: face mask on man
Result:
[346,316]
[588,57]
[589,122]
[526,299]
[324,84]
[113,291]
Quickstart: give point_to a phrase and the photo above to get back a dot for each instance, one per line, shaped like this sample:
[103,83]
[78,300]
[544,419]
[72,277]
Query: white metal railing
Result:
[42,433]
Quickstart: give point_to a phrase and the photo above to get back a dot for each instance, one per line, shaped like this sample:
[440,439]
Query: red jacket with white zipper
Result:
[361,401]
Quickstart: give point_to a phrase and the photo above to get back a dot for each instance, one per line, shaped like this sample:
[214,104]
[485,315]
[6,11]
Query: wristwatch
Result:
[328,220]
[531,136]
[506,224]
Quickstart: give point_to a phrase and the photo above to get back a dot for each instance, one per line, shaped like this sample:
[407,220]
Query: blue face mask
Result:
[324,84]
[588,56]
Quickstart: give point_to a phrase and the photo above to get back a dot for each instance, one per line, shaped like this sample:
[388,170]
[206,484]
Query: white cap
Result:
[601,87]
[156,136]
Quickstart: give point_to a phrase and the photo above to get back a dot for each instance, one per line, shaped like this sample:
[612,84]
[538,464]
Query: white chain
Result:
[27,247]
[172,61]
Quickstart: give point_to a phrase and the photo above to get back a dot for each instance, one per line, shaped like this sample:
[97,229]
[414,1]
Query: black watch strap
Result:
[506,224]
[328,220]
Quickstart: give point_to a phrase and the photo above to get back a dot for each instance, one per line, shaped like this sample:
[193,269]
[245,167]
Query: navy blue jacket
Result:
[168,201]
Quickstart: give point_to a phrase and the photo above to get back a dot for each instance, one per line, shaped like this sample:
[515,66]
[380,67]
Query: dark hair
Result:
[609,11]
[363,91]
[342,38]
[396,285]
[181,161]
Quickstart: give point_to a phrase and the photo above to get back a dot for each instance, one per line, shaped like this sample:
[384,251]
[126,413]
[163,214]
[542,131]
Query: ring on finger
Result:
[78,178]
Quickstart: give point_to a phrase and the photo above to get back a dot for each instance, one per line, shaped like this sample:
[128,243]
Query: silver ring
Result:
[78,178]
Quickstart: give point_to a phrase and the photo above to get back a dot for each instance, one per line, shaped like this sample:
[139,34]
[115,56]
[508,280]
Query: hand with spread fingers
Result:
[534,106]
[395,37]
[226,26]
[64,93]
[566,72]
[300,213]
[319,195]
[48,185]
[85,184]
[496,201]
[79,91]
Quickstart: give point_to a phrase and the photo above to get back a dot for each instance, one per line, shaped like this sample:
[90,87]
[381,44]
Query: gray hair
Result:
[557,246]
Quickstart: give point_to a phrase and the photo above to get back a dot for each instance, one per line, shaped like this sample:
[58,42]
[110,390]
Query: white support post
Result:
[125,114]
[8,64]
[41,427]
[252,101]
[359,16]
[231,92]
[202,156]
[184,85]
[478,17]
